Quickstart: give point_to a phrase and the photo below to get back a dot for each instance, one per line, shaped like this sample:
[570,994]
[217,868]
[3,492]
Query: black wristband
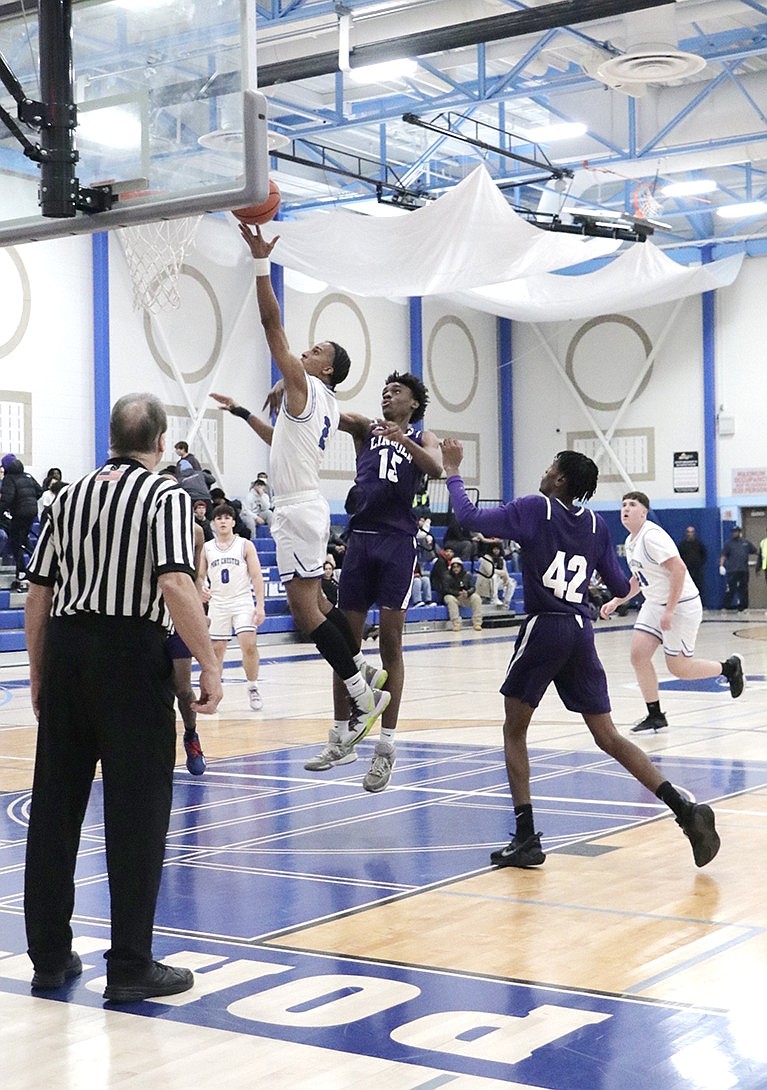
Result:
[238,410]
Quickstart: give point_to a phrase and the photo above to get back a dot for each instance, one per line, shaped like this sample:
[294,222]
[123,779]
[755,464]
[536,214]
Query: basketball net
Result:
[155,253]
[646,204]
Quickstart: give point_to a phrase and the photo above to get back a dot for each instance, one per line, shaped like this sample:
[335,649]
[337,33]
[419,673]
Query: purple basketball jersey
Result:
[561,548]
[385,486]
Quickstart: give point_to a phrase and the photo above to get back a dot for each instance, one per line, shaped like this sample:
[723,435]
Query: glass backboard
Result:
[167,112]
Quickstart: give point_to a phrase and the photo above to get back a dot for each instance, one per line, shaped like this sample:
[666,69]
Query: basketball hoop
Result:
[155,253]
[646,204]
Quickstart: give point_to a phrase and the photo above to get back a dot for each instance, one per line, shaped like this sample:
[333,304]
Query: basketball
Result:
[260,213]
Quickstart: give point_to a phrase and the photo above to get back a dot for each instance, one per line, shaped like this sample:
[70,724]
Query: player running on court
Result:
[670,615]
[563,544]
[233,587]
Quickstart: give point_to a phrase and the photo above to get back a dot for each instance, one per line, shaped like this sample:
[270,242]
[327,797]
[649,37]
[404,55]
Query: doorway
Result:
[755,529]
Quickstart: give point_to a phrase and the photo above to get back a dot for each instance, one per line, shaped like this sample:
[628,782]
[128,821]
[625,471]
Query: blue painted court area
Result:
[260,848]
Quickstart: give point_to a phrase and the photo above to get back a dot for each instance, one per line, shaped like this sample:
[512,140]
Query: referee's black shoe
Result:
[157,980]
[653,721]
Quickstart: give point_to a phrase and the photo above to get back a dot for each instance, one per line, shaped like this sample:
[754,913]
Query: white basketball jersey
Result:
[645,553]
[228,569]
[299,442]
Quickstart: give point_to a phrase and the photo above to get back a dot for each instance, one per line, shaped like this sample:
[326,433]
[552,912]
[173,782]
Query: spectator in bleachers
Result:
[459,592]
[439,572]
[192,480]
[426,548]
[258,503]
[329,582]
[420,592]
[263,476]
[182,453]
[493,580]
[337,546]
[461,542]
[200,509]
[19,497]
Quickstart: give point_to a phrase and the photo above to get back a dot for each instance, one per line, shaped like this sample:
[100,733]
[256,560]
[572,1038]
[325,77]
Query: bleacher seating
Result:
[278,618]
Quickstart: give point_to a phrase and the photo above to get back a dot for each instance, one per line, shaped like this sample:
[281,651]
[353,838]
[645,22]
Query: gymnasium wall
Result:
[213,340]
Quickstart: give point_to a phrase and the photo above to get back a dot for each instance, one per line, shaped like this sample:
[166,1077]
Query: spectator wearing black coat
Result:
[19,498]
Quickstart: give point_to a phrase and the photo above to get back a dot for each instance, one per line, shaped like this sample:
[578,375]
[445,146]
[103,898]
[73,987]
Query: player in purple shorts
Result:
[392,460]
[181,658]
[562,545]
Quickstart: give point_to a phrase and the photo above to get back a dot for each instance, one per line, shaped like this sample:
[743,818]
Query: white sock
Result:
[356,687]
[387,734]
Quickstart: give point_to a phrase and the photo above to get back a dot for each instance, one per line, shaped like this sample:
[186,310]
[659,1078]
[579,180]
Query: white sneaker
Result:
[254,699]
[378,775]
[365,713]
[334,753]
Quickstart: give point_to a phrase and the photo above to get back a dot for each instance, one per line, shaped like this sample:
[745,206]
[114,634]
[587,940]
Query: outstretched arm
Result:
[291,368]
[260,427]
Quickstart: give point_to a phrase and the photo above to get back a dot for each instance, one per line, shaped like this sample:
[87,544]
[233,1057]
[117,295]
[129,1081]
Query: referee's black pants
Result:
[106,694]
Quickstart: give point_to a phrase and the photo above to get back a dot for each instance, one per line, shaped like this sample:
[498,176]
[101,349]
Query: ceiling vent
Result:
[644,64]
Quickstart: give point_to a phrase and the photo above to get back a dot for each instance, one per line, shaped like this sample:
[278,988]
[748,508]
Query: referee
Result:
[113,565]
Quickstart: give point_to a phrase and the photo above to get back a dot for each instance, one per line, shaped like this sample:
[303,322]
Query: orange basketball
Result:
[260,213]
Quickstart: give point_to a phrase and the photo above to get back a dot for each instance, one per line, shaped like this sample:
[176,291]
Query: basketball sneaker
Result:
[375,676]
[378,775]
[650,722]
[334,753]
[364,714]
[733,671]
[700,829]
[254,698]
[195,758]
[526,854]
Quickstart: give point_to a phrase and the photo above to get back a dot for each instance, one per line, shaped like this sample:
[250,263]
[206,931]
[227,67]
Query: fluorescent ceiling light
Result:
[693,188]
[382,73]
[742,211]
[560,130]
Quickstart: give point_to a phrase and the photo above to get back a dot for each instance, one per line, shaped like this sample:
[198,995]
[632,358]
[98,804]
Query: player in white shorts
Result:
[308,418]
[670,614]
[233,587]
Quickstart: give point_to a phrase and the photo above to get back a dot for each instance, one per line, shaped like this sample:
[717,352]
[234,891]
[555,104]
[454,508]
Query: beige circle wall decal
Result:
[445,322]
[201,372]
[338,299]
[587,327]
[26,304]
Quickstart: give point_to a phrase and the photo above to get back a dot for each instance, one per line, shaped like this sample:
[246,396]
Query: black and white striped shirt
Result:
[107,539]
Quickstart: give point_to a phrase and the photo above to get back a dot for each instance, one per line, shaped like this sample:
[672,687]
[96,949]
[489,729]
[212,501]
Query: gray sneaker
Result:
[375,676]
[378,775]
[334,753]
[365,713]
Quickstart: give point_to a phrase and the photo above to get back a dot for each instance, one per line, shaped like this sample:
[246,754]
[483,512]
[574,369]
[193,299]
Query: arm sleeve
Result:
[491,521]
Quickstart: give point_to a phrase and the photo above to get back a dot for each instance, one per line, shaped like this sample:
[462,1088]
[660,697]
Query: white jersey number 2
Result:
[555,577]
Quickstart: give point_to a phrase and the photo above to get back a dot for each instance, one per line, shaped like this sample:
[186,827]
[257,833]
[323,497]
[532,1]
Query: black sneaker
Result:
[733,671]
[650,722]
[700,830]
[44,981]
[157,980]
[526,854]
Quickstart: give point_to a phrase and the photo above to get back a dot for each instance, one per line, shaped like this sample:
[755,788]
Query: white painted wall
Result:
[215,341]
